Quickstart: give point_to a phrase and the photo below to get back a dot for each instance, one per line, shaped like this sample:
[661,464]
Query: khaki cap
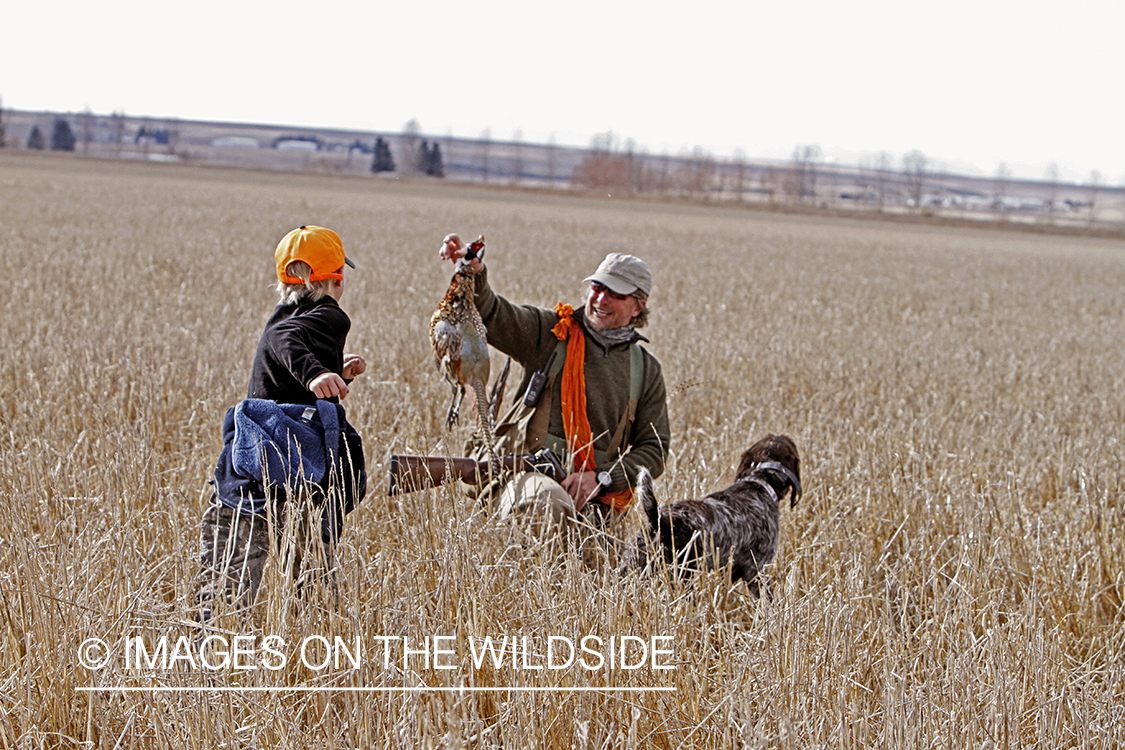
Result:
[624,274]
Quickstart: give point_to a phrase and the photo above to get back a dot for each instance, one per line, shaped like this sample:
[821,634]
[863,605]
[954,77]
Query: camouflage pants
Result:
[234,547]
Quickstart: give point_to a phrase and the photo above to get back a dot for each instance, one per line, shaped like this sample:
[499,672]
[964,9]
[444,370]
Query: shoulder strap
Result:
[539,421]
[560,359]
[636,384]
[636,371]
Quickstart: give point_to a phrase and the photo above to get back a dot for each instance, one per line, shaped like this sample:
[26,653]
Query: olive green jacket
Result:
[524,333]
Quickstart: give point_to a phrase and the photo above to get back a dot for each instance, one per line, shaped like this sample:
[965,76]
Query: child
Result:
[290,460]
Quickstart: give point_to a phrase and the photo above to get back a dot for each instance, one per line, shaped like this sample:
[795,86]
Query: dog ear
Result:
[794,486]
[792,476]
[794,492]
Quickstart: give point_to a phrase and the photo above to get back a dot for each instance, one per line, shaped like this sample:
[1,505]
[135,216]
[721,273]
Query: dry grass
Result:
[953,577]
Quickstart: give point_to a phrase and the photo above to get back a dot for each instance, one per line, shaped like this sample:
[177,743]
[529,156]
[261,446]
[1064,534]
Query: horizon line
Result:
[955,167]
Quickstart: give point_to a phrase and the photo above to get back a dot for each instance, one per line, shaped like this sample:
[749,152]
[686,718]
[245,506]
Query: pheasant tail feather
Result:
[487,425]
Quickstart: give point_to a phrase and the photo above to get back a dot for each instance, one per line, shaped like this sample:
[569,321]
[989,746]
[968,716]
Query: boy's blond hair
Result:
[307,291]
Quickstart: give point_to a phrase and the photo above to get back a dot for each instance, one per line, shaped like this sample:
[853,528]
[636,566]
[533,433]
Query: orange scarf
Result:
[576,423]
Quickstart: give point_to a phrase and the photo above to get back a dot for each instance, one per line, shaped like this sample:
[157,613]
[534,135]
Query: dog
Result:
[736,525]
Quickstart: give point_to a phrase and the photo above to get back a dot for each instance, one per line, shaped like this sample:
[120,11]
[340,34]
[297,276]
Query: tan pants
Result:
[546,511]
[537,499]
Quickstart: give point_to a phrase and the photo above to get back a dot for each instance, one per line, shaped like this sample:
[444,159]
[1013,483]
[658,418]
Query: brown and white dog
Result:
[736,525]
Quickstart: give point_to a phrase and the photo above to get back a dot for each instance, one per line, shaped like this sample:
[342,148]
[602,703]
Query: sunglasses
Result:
[599,288]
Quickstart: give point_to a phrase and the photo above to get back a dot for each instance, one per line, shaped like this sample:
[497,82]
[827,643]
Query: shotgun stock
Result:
[414,473]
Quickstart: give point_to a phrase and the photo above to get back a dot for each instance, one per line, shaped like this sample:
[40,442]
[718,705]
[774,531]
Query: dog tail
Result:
[648,499]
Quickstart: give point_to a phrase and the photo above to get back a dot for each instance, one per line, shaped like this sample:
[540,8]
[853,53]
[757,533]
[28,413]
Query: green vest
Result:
[523,429]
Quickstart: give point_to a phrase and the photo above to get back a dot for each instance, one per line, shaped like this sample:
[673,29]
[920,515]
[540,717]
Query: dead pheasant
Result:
[460,343]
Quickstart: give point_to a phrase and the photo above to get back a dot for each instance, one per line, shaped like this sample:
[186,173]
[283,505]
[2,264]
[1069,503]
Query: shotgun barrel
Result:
[414,473]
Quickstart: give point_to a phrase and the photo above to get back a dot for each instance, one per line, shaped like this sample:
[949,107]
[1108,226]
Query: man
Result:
[603,408]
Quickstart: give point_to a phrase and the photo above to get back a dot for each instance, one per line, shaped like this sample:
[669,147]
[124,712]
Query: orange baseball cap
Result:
[321,248]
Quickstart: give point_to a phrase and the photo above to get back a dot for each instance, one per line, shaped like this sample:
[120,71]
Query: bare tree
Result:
[1003,178]
[86,129]
[1123,196]
[634,167]
[603,167]
[663,176]
[883,164]
[802,177]
[2,140]
[552,159]
[117,128]
[411,139]
[739,174]
[771,183]
[701,174]
[1095,184]
[172,128]
[1052,178]
[484,145]
[603,143]
[792,183]
[829,174]
[914,171]
[517,155]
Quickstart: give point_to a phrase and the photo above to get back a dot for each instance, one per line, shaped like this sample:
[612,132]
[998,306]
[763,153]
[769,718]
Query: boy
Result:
[290,460]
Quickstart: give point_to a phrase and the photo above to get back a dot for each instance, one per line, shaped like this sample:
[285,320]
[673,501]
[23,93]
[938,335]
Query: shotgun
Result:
[413,473]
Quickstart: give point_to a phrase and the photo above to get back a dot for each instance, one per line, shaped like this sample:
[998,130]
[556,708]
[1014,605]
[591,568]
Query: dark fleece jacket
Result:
[300,342]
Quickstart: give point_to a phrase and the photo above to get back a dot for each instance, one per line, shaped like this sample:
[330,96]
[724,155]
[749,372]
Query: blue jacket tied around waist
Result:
[271,449]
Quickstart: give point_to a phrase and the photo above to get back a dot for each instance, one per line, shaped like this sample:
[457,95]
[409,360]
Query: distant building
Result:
[297,144]
[235,141]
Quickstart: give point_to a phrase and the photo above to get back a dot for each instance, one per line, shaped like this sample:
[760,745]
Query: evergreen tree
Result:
[36,140]
[383,161]
[435,167]
[428,160]
[62,138]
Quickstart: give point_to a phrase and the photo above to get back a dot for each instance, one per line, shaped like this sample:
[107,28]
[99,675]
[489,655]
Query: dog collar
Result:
[789,476]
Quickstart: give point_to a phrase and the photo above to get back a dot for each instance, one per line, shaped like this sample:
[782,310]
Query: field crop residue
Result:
[953,576]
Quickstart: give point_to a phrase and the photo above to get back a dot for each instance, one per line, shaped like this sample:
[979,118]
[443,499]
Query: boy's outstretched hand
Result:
[354,365]
[329,384]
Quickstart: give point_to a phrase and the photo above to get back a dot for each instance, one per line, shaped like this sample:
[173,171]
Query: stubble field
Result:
[953,577]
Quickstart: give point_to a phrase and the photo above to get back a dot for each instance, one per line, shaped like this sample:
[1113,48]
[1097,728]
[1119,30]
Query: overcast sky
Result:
[970,83]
